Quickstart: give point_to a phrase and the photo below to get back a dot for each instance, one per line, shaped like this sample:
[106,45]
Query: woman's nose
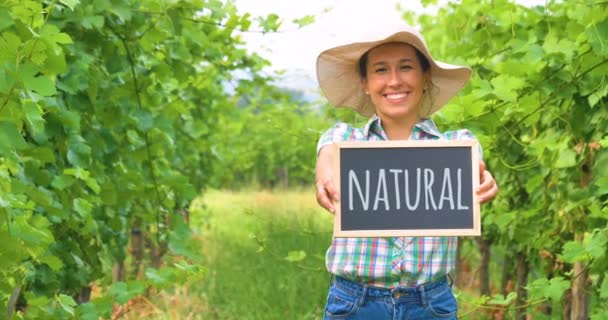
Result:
[394,78]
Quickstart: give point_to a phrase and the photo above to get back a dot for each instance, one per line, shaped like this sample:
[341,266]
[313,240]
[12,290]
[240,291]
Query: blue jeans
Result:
[353,301]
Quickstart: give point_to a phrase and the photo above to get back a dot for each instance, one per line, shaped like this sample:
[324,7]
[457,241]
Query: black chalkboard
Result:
[407,188]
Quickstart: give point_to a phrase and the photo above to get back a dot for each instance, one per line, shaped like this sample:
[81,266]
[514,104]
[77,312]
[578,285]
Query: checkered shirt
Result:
[397,261]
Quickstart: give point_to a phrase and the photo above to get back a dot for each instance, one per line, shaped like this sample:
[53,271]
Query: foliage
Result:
[106,109]
[538,102]
[268,139]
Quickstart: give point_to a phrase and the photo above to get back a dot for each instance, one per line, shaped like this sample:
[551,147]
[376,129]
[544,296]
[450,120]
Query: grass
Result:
[264,255]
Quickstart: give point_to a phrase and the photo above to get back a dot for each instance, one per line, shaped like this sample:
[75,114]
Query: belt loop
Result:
[363,296]
[450,280]
[423,301]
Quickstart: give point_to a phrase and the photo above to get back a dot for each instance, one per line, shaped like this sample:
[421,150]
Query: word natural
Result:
[418,189]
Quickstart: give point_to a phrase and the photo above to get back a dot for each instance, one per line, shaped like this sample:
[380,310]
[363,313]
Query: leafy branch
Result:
[556,92]
[137,89]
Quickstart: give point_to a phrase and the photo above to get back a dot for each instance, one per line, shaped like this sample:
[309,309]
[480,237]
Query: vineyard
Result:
[116,116]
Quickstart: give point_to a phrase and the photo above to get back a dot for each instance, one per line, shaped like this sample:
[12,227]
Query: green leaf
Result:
[123,292]
[43,85]
[93,22]
[88,311]
[6,82]
[604,290]
[70,3]
[598,37]
[245,22]
[42,154]
[51,33]
[296,256]
[574,251]
[82,206]
[566,158]
[67,303]
[5,19]
[181,241]
[61,182]
[505,87]
[11,138]
[304,21]
[597,95]
[70,120]
[144,120]
[555,44]
[119,291]
[79,153]
[33,114]
[92,183]
[270,23]
[79,173]
[159,277]
[602,184]
[604,142]
[502,300]
[55,63]
[122,11]
[34,231]
[595,244]
[52,261]
[553,289]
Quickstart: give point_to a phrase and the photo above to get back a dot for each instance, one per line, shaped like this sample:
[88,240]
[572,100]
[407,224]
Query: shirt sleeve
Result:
[339,132]
[464,134]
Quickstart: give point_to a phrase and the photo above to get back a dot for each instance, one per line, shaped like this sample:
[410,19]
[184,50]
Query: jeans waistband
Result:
[403,293]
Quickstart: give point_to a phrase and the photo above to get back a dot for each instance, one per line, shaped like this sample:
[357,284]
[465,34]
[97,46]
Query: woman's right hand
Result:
[327,194]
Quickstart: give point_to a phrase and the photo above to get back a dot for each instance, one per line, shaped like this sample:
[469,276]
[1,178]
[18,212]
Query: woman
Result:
[395,81]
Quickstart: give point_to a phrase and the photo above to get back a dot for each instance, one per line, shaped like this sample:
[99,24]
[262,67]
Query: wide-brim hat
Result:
[340,81]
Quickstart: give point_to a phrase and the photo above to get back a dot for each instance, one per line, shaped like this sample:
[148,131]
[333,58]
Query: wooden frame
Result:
[474,152]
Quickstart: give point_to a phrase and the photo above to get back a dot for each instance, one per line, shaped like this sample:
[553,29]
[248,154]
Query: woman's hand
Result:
[488,188]
[327,194]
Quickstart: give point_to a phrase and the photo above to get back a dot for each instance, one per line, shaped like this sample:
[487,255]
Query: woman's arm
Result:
[488,188]
[326,190]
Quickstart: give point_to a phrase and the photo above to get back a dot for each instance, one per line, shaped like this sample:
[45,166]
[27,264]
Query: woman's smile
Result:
[396,97]
[395,82]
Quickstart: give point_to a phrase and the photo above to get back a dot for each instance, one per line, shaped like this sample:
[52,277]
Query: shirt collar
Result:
[426,125]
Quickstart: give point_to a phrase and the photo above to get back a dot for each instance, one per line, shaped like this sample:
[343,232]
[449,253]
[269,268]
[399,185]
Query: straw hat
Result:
[340,81]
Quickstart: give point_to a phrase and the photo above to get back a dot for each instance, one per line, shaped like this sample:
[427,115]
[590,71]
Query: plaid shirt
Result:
[398,261]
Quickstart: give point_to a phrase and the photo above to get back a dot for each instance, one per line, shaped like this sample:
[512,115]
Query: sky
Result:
[295,49]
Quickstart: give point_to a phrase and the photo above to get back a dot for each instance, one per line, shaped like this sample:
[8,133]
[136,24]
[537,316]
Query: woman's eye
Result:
[406,67]
[378,70]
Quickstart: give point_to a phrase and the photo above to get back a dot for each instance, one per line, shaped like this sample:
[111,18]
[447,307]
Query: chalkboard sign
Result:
[407,188]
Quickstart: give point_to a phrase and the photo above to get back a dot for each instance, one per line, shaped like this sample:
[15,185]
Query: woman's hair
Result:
[424,62]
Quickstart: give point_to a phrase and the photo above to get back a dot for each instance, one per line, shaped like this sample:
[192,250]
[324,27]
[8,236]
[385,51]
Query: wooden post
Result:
[522,282]
[484,266]
[580,284]
[580,297]
[137,248]
[12,302]
[120,274]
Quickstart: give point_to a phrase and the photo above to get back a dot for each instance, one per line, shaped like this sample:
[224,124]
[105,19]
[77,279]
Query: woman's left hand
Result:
[488,188]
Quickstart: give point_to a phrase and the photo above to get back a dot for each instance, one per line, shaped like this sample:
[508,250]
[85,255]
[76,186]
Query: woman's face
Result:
[395,81]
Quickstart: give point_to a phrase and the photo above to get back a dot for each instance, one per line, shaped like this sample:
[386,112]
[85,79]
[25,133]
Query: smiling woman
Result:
[395,81]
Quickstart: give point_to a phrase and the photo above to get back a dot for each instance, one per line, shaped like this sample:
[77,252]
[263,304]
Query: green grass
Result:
[264,252]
